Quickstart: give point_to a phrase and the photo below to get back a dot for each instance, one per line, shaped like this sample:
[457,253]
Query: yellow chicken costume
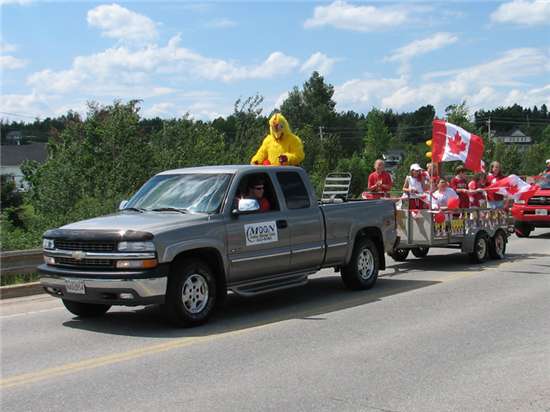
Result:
[280,146]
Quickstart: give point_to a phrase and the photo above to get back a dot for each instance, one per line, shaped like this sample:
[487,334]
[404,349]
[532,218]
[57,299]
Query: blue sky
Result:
[198,58]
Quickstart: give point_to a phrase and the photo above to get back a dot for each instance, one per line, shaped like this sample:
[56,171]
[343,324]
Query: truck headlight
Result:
[48,244]
[136,247]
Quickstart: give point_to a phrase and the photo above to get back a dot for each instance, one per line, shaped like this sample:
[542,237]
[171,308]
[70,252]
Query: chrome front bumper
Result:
[130,292]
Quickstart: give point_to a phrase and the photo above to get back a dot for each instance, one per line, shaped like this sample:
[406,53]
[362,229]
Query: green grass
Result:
[7,280]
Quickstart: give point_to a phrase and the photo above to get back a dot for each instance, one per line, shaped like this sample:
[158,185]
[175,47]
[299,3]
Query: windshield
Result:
[544,181]
[199,193]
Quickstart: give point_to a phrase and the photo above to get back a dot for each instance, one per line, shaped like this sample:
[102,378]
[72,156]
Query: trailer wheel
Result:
[497,246]
[421,251]
[85,310]
[481,248]
[362,270]
[399,255]
[191,293]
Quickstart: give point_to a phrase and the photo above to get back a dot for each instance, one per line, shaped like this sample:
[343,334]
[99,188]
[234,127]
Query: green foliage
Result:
[359,170]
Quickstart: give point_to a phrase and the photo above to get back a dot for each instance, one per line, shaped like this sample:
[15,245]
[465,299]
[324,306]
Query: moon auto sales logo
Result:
[263,232]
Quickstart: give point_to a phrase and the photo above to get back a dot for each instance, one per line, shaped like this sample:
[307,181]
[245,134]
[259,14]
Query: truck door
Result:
[258,244]
[305,221]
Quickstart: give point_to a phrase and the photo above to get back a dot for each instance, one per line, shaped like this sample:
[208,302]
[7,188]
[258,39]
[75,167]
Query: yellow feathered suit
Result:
[280,142]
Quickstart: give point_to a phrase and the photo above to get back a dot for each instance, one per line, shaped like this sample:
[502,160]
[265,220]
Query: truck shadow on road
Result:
[321,296]
[454,262]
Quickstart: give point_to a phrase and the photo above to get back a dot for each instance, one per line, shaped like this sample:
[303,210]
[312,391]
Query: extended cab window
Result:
[294,190]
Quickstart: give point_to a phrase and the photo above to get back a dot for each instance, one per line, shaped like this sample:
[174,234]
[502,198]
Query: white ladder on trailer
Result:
[337,186]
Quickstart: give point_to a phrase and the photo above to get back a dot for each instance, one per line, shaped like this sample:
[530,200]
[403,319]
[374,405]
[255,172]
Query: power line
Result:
[20,115]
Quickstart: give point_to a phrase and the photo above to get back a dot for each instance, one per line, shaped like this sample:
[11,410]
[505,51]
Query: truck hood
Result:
[153,222]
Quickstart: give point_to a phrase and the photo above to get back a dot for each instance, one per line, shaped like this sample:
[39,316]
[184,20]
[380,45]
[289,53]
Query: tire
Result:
[523,229]
[191,293]
[497,246]
[362,270]
[481,248]
[399,255]
[421,251]
[85,310]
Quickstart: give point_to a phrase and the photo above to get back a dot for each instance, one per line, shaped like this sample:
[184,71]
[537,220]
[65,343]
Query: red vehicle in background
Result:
[534,212]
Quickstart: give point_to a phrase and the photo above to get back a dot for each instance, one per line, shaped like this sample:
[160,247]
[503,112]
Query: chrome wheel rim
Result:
[365,264]
[195,293]
[481,248]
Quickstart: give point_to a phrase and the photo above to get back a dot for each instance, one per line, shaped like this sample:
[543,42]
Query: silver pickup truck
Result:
[190,235]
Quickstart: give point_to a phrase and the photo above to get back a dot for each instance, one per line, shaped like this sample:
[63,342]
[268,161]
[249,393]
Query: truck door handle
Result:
[281,224]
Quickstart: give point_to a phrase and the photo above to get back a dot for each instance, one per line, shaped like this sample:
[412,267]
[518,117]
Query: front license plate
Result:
[75,286]
[541,212]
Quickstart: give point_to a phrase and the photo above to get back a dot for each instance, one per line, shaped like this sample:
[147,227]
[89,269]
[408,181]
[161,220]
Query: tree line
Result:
[95,162]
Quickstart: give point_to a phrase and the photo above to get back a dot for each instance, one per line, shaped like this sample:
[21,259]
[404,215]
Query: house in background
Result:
[514,137]
[393,159]
[13,156]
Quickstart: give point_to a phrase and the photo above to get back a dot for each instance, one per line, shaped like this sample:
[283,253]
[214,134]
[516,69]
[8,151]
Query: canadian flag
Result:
[514,187]
[450,142]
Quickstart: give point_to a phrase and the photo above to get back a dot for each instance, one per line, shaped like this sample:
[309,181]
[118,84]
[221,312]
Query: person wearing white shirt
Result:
[441,197]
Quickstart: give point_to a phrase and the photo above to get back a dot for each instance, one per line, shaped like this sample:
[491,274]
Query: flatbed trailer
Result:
[481,233]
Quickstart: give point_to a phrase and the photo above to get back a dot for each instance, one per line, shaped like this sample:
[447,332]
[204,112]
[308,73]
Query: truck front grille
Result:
[539,200]
[85,246]
[103,263]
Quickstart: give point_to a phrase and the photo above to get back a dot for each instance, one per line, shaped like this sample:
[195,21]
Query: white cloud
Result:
[17,2]
[222,24]
[494,83]
[523,12]
[342,15]
[125,71]
[318,62]
[120,23]
[7,47]
[422,46]
[12,63]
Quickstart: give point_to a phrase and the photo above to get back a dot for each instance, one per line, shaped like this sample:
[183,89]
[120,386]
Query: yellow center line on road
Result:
[92,363]
[31,377]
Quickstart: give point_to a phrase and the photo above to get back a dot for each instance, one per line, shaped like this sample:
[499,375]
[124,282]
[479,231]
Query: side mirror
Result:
[122,204]
[247,206]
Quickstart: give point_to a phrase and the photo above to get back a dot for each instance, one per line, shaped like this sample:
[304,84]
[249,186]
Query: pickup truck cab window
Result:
[260,187]
[192,192]
[294,190]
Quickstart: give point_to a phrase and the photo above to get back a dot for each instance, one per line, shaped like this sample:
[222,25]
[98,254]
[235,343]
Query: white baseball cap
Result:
[547,161]
[415,166]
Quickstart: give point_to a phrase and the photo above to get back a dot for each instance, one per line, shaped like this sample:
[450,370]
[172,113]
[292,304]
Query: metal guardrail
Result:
[20,261]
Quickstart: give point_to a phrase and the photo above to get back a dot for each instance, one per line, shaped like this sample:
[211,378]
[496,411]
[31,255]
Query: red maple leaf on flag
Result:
[456,144]
[512,189]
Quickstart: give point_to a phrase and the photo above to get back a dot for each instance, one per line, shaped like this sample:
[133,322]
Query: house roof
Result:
[15,155]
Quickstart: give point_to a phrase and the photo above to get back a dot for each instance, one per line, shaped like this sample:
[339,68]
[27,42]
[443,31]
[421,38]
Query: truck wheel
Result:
[523,229]
[497,246]
[481,248]
[362,271]
[191,293]
[421,251]
[399,255]
[85,310]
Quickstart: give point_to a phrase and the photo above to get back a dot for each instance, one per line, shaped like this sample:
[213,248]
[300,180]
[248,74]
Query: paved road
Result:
[436,334]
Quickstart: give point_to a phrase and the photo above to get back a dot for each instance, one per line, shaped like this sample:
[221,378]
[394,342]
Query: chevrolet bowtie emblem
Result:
[78,255]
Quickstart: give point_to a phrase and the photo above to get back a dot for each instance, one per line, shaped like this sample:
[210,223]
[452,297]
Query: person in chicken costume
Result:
[280,146]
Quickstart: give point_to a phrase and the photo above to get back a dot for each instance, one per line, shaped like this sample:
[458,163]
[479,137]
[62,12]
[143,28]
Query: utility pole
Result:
[489,128]
[321,133]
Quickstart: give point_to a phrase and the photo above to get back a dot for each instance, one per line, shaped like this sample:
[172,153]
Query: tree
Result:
[378,136]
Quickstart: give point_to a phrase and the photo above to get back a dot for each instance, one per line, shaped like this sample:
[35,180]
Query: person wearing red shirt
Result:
[495,200]
[476,192]
[256,190]
[380,182]
[460,186]
[431,175]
